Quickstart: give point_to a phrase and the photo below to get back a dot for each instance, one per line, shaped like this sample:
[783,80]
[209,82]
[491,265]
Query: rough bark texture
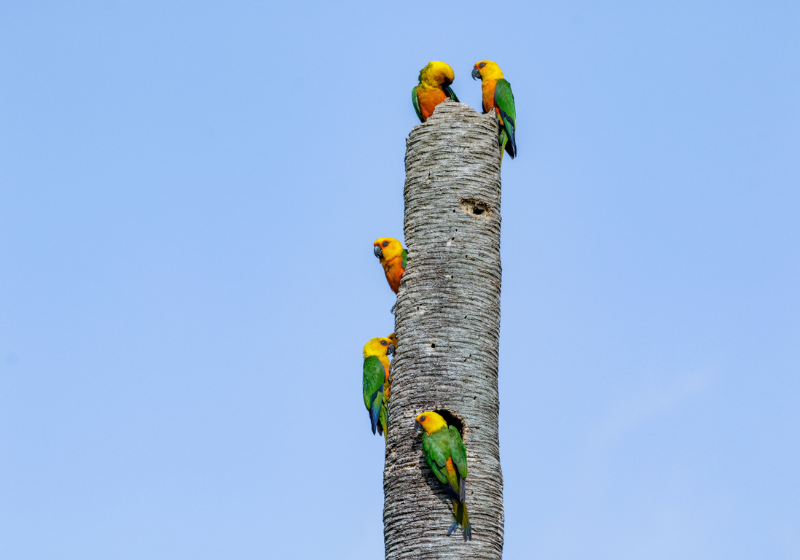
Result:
[448,326]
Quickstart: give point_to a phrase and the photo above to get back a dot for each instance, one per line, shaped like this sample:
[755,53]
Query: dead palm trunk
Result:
[448,325]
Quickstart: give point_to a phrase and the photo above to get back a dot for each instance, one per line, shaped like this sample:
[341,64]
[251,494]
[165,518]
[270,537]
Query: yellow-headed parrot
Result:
[447,457]
[433,88]
[376,381]
[393,258]
[497,95]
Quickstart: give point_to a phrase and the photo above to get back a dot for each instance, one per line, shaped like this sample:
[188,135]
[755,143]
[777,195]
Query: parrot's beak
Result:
[390,350]
[476,74]
[418,427]
[378,251]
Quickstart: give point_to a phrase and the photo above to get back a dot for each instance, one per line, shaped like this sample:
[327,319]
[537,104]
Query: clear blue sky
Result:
[188,198]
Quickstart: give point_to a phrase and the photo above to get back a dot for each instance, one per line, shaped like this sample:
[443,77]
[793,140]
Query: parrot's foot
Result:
[392,309]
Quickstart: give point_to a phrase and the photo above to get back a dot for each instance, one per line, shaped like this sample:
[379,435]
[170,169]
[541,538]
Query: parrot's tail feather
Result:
[452,528]
[462,518]
[511,148]
[465,523]
[375,409]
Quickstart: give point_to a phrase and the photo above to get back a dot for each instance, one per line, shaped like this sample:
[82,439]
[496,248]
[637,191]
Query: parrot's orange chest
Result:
[386,381]
[429,98]
[394,271]
[488,98]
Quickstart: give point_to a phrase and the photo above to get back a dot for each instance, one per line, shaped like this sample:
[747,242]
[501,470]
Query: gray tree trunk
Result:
[448,326]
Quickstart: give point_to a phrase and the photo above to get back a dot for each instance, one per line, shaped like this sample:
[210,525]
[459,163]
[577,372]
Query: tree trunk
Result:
[448,326]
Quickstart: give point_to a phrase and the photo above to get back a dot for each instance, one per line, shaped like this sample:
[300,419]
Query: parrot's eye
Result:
[385,244]
[421,418]
[383,343]
[481,65]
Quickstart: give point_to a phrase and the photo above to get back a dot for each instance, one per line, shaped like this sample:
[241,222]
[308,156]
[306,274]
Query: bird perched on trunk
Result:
[497,95]
[376,381]
[393,258]
[433,88]
[447,458]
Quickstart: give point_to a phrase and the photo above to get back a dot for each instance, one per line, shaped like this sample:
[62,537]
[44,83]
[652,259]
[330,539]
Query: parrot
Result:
[497,95]
[393,258]
[447,457]
[376,381]
[433,88]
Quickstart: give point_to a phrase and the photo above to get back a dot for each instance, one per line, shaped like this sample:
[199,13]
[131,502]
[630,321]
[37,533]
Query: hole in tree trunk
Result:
[475,207]
[452,420]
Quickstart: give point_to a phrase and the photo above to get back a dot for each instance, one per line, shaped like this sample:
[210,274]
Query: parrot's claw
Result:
[393,308]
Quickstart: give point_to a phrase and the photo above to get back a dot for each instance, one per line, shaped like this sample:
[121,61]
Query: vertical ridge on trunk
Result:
[448,326]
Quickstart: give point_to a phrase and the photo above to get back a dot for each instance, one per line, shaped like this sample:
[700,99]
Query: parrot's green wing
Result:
[459,455]
[373,389]
[373,377]
[415,101]
[458,452]
[405,258]
[450,93]
[434,455]
[504,100]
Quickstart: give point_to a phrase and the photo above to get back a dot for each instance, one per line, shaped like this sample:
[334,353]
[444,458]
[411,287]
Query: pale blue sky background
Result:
[189,192]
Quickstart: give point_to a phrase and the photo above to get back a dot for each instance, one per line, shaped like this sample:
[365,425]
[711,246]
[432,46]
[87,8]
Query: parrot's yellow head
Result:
[379,346]
[387,248]
[393,338]
[486,70]
[430,422]
[437,73]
